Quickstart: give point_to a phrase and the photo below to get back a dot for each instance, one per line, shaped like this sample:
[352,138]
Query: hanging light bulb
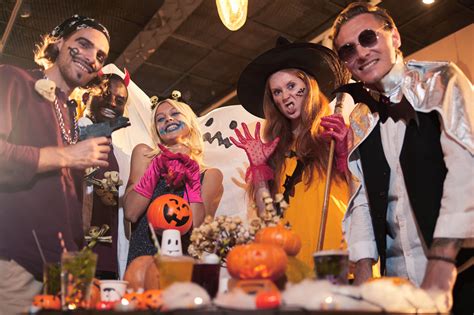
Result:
[233,13]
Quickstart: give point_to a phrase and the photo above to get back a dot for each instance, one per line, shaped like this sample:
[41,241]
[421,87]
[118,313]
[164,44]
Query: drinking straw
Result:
[39,246]
[153,236]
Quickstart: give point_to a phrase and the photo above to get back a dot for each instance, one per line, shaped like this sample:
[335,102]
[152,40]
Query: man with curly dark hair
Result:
[39,150]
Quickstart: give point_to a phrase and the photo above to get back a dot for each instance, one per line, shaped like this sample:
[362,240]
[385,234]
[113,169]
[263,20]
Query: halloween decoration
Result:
[182,295]
[268,299]
[152,277]
[136,272]
[46,88]
[136,299]
[281,236]
[170,212]
[47,302]
[153,299]
[171,243]
[257,261]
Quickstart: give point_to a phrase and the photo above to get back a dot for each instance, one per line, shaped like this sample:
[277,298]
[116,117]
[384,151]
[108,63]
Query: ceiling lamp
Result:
[428,1]
[233,13]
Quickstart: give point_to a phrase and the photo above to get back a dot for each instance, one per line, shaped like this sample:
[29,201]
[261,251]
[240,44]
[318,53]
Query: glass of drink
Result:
[77,272]
[51,278]
[174,269]
[332,265]
[207,276]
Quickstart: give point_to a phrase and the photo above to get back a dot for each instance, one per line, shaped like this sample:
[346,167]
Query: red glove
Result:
[149,180]
[180,167]
[337,129]
[257,153]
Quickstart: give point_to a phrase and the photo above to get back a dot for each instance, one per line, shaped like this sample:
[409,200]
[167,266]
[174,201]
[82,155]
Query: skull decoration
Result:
[170,212]
[46,88]
[175,95]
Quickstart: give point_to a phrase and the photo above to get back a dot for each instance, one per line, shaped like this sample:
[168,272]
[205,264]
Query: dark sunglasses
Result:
[367,39]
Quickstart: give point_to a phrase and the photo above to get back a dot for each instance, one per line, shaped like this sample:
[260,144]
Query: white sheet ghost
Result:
[219,152]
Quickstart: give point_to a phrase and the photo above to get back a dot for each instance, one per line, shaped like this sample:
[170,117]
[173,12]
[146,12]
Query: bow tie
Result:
[402,110]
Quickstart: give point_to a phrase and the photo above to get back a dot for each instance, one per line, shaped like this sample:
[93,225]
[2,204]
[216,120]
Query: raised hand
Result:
[257,153]
[178,167]
[336,129]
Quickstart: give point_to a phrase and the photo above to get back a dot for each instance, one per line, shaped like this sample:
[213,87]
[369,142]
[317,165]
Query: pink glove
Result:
[180,167]
[257,153]
[337,130]
[149,180]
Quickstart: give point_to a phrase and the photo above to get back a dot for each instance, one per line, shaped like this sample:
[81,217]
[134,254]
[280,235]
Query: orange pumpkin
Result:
[170,212]
[281,236]
[47,302]
[153,299]
[152,278]
[136,272]
[257,261]
[136,299]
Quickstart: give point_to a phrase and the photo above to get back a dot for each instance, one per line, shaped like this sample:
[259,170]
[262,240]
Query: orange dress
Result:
[304,212]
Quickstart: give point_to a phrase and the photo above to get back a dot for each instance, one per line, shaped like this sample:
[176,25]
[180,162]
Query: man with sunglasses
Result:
[412,158]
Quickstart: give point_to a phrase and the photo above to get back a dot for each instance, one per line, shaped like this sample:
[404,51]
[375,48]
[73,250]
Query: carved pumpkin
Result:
[136,272]
[152,278]
[47,302]
[170,212]
[257,261]
[153,299]
[281,236]
[136,299]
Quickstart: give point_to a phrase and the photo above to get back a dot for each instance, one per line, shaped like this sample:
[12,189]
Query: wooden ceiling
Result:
[181,44]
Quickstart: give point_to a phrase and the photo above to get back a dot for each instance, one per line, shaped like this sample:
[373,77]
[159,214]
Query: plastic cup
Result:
[207,276]
[332,265]
[112,290]
[77,273]
[51,278]
[174,269]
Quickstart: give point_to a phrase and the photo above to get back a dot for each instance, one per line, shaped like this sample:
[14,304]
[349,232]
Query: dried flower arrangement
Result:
[218,235]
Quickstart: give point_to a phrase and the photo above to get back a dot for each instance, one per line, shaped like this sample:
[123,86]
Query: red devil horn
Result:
[126,78]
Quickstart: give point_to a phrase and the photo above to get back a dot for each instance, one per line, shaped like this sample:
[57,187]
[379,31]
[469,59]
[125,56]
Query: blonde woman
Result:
[179,148]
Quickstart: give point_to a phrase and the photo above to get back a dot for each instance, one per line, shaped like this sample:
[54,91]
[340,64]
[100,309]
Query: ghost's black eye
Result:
[176,242]
[169,241]
[209,122]
[233,124]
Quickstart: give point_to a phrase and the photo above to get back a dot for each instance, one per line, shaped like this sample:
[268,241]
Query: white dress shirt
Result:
[406,252]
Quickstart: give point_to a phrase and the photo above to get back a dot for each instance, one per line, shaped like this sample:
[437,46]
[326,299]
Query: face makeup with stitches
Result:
[370,64]
[81,56]
[170,124]
[288,92]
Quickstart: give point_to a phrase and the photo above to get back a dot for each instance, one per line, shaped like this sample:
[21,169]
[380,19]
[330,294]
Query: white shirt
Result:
[405,249]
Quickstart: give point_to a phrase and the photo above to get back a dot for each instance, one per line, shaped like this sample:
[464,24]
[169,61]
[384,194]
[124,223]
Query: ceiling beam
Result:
[9,26]
[161,26]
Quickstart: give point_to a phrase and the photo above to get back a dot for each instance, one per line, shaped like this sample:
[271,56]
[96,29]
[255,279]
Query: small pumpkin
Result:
[268,299]
[135,273]
[153,299]
[281,236]
[170,212]
[47,302]
[257,261]
[136,299]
